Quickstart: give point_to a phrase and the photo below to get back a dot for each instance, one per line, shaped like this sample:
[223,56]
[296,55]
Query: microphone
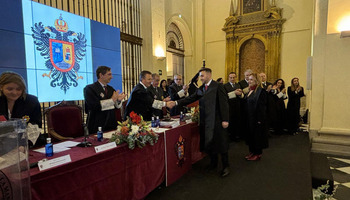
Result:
[85,143]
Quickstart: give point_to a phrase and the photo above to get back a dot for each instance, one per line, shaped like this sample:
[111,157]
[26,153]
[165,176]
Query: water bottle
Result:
[157,122]
[181,116]
[153,123]
[99,134]
[48,148]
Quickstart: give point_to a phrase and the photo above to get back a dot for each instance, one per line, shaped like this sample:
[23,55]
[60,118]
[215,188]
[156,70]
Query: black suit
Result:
[235,111]
[140,101]
[173,90]
[213,109]
[157,94]
[29,106]
[265,85]
[93,94]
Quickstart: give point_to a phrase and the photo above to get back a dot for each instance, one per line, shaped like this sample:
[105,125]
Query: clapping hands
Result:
[117,96]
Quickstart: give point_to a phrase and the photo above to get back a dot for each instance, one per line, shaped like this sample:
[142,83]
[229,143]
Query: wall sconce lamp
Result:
[159,53]
[344,34]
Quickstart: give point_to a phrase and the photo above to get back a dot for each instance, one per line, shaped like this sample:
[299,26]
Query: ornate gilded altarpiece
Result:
[254,25]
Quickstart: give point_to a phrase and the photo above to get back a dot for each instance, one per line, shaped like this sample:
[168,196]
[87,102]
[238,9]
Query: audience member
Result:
[234,94]
[295,92]
[220,80]
[157,93]
[165,88]
[277,108]
[256,137]
[177,91]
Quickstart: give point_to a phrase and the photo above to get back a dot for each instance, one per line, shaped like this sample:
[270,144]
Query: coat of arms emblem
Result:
[63,49]
[180,151]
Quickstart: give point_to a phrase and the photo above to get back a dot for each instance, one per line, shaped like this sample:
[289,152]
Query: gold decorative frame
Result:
[265,26]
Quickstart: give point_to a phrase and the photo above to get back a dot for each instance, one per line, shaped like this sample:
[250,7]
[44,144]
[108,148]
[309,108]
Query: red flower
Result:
[124,130]
[135,118]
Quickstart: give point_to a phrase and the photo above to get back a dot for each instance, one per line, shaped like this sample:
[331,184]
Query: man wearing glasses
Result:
[177,91]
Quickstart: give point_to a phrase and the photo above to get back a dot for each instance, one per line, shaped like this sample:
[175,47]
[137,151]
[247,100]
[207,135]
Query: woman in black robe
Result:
[256,138]
[165,89]
[295,92]
[277,108]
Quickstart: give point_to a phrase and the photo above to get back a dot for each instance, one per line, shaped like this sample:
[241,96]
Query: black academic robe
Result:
[256,118]
[28,106]
[243,84]
[140,101]
[173,90]
[235,110]
[157,94]
[277,112]
[193,85]
[293,108]
[93,94]
[213,109]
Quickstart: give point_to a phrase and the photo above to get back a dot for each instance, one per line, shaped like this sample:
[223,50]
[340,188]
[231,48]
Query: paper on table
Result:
[108,134]
[56,149]
[66,144]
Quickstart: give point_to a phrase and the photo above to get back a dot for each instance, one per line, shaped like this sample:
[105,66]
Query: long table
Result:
[118,173]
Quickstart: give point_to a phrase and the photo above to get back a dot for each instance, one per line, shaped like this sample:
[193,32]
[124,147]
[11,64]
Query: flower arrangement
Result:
[195,114]
[134,131]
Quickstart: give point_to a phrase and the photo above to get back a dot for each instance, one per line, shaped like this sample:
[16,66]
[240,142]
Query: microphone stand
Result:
[85,143]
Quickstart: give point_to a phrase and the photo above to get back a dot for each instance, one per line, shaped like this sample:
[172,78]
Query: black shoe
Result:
[225,172]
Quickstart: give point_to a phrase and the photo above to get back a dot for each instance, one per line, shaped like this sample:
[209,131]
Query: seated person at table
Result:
[101,100]
[15,102]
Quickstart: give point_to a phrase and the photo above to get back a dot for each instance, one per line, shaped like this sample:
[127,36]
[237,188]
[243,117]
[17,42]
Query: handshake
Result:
[170,104]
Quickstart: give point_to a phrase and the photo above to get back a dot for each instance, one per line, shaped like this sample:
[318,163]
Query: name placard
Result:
[105,147]
[47,164]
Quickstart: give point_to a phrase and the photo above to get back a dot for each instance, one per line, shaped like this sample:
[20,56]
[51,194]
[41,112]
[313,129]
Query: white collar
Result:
[209,82]
[102,84]
[143,85]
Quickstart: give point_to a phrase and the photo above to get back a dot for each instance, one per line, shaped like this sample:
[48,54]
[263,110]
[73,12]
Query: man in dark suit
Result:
[264,83]
[101,100]
[177,91]
[157,94]
[234,93]
[141,101]
[214,117]
[244,83]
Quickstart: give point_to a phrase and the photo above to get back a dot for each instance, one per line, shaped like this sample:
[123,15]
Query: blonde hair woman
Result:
[14,100]
[256,137]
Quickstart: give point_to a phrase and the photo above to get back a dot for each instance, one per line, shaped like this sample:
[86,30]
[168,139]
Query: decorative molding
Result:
[263,25]
[130,38]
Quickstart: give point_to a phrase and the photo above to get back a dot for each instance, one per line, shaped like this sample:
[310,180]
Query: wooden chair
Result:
[64,121]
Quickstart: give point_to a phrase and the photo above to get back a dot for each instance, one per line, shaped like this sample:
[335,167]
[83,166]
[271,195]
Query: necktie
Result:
[105,87]
[206,87]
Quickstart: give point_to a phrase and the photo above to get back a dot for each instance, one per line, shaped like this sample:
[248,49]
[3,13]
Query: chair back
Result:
[64,121]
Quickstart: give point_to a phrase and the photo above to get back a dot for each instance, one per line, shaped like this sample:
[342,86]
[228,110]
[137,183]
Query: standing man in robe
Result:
[214,119]
[101,100]
[234,93]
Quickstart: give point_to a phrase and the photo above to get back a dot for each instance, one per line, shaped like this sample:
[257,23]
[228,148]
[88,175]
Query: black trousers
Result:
[214,158]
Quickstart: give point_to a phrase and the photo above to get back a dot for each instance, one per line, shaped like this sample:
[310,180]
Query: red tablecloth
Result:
[118,173]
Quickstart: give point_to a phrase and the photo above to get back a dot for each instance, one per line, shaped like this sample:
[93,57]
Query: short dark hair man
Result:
[140,100]
[157,93]
[101,100]
[177,91]
[214,117]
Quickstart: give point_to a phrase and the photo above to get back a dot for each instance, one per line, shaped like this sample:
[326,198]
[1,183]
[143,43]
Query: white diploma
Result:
[231,95]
